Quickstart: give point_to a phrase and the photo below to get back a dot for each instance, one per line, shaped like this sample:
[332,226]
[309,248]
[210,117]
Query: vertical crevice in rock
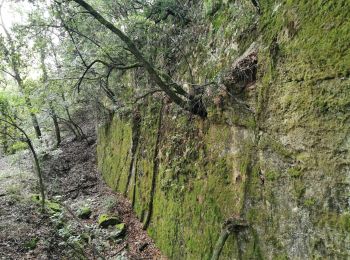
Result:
[155,169]
[136,127]
[134,186]
[122,170]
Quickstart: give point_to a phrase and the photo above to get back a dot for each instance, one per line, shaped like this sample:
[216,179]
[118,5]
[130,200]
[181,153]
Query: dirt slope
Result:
[72,184]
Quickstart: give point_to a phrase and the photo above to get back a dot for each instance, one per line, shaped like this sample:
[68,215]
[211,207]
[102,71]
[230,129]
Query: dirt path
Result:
[73,186]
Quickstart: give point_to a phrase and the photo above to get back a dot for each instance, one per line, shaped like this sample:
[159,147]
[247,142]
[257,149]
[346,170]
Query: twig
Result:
[147,94]
[121,249]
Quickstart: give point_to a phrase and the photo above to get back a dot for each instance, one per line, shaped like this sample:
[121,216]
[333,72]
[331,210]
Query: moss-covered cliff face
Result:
[276,156]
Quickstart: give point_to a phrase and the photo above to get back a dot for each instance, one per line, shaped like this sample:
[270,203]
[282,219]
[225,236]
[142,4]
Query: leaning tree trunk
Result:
[56,125]
[35,158]
[39,173]
[225,233]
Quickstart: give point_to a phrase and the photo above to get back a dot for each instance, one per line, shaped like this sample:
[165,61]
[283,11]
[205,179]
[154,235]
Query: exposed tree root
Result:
[231,225]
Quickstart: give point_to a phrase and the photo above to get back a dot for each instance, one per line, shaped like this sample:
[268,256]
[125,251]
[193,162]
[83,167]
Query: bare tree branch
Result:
[187,105]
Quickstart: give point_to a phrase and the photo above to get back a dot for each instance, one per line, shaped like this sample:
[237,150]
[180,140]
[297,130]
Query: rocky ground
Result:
[84,219]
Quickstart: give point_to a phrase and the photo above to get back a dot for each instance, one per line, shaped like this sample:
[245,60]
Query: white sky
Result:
[15,12]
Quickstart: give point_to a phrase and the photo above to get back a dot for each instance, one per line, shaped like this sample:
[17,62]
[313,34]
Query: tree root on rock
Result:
[231,225]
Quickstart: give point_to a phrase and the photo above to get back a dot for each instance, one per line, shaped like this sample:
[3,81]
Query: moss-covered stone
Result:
[51,206]
[119,231]
[84,212]
[104,221]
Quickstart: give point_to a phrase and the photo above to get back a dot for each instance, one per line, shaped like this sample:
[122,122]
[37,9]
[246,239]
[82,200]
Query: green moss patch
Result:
[31,243]
[119,231]
[84,212]
[104,220]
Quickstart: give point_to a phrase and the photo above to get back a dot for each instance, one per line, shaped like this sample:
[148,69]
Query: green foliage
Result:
[52,206]
[17,146]
[337,221]
[294,172]
[236,162]
[14,189]
[212,6]
[32,243]
[272,175]
[309,202]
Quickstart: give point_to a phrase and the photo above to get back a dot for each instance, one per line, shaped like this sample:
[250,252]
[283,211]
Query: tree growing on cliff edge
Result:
[176,93]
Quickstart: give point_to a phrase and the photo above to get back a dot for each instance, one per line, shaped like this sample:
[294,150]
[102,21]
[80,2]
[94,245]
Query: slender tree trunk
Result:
[66,108]
[52,110]
[220,243]
[77,129]
[34,118]
[71,128]
[39,173]
[134,187]
[4,139]
[56,125]
[35,157]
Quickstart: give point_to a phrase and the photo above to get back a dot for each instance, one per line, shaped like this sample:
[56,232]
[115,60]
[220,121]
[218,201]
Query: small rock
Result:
[143,246]
[104,221]
[119,231]
[84,213]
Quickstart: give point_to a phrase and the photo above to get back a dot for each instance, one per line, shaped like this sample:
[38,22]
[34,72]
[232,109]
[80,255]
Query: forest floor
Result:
[73,186]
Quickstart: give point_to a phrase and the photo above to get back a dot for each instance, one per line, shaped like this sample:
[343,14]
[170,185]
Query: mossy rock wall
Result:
[283,163]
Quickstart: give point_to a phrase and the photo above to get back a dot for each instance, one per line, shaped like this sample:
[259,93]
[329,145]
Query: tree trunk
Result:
[76,128]
[4,139]
[52,110]
[35,157]
[28,103]
[56,125]
[39,173]
[220,243]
